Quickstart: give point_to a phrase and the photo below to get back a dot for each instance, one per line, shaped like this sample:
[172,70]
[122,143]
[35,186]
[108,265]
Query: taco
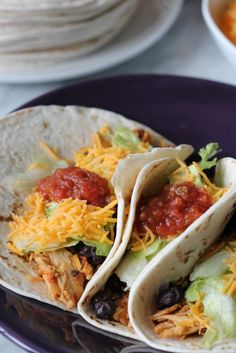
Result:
[203,304]
[169,200]
[62,217]
[185,299]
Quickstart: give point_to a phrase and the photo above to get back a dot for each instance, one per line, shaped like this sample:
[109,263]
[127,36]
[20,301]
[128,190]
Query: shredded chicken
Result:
[121,313]
[181,320]
[64,280]
[177,322]
[86,268]
[143,135]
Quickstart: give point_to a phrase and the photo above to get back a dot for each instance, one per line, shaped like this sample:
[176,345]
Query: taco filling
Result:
[205,303]
[68,224]
[159,218]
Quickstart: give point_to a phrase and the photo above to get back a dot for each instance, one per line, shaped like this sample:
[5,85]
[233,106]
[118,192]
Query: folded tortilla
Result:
[176,262]
[152,177]
[67,129]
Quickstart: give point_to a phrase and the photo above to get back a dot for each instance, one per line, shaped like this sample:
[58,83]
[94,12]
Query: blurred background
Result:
[189,38]
[184,46]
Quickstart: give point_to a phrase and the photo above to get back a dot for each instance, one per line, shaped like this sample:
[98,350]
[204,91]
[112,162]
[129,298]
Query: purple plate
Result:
[183,109]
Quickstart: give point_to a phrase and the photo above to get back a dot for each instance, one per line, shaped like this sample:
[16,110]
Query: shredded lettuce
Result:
[214,266]
[123,137]
[153,249]
[102,249]
[192,294]
[24,246]
[130,267]
[197,176]
[135,261]
[48,210]
[205,153]
[218,307]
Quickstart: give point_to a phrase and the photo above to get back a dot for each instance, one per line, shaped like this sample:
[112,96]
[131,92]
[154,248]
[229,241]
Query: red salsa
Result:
[76,183]
[173,209]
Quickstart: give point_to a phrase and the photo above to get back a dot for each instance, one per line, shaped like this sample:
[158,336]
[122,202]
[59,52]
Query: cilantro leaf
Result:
[206,153]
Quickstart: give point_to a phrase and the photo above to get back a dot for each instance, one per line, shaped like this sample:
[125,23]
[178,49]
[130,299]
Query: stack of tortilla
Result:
[44,32]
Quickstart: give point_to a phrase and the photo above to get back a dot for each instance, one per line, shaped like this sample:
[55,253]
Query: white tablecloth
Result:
[187,49]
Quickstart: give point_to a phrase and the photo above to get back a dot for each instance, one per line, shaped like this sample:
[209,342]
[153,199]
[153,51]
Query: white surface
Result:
[188,49]
[8,347]
[211,10]
[148,24]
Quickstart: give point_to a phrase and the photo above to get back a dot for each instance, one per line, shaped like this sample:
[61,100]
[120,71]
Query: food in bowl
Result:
[227,21]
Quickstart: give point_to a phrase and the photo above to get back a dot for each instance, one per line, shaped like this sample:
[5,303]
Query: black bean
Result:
[76,248]
[105,309]
[95,259]
[85,250]
[115,284]
[103,305]
[101,296]
[72,250]
[169,295]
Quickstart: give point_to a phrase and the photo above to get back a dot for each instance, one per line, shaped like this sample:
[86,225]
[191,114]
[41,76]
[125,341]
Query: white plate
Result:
[149,24]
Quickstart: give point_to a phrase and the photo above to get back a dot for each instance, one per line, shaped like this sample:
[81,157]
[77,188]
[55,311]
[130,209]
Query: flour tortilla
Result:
[153,174]
[68,129]
[8,5]
[34,37]
[177,261]
[16,38]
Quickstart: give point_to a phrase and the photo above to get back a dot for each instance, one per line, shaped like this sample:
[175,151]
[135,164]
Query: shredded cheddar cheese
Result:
[35,231]
[141,241]
[34,165]
[215,191]
[102,158]
[192,316]
[183,173]
[197,313]
[50,151]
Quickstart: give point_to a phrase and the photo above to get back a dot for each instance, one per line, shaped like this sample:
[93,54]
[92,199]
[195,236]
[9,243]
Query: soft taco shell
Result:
[177,260]
[154,172]
[68,129]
